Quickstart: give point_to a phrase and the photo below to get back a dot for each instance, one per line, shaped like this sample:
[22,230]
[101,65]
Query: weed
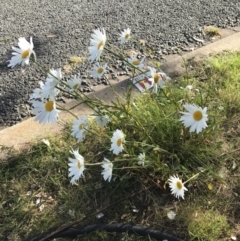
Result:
[212,31]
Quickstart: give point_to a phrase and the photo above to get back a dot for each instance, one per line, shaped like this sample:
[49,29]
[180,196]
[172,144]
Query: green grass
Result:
[151,124]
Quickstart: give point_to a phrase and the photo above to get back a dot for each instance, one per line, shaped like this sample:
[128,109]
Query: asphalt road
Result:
[62,28]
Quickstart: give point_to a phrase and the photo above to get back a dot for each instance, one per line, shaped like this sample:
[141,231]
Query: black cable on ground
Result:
[118,227]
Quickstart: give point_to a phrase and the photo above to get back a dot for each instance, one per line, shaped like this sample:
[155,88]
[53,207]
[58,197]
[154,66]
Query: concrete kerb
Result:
[175,67]
[21,135]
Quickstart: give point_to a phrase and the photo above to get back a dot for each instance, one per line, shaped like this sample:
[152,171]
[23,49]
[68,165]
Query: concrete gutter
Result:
[230,41]
[22,134]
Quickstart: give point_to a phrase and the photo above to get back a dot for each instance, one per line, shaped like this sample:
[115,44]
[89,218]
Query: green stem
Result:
[44,69]
[135,167]
[62,108]
[194,176]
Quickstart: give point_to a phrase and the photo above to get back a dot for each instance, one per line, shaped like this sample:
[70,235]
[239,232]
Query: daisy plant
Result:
[53,80]
[102,119]
[117,141]
[141,158]
[195,118]
[125,35]
[97,43]
[128,127]
[74,84]
[22,54]
[136,62]
[45,111]
[76,166]
[107,169]
[159,79]
[177,187]
[80,127]
[37,93]
[98,70]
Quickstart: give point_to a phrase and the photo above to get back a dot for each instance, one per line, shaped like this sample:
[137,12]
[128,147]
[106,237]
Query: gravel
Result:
[61,29]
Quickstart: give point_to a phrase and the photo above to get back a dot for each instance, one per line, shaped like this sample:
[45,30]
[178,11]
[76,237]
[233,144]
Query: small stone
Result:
[165,52]
[114,76]
[29,193]
[100,215]
[38,201]
[105,82]
[84,82]
[23,114]
[41,208]
[171,215]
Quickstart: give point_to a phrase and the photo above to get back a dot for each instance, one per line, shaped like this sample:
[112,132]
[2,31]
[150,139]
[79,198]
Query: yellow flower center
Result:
[119,142]
[75,86]
[135,62]
[100,45]
[156,78]
[49,106]
[25,54]
[127,36]
[179,185]
[80,126]
[79,165]
[100,70]
[197,115]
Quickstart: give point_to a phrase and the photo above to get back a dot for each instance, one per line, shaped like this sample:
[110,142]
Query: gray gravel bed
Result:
[62,28]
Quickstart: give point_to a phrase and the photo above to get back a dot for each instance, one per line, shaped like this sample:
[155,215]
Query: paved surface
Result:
[62,28]
[21,135]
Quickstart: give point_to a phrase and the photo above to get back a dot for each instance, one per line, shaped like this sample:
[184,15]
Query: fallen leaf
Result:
[210,187]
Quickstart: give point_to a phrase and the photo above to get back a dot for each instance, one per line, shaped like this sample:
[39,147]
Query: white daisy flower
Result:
[188,88]
[195,118]
[101,120]
[23,53]
[37,93]
[74,84]
[76,166]
[177,187]
[80,127]
[159,79]
[117,142]
[125,35]
[141,158]
[135,62]
[98,70]
[97,43]
[107,172]
[46,142]
[52,81]
[46,111]
[55,74]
